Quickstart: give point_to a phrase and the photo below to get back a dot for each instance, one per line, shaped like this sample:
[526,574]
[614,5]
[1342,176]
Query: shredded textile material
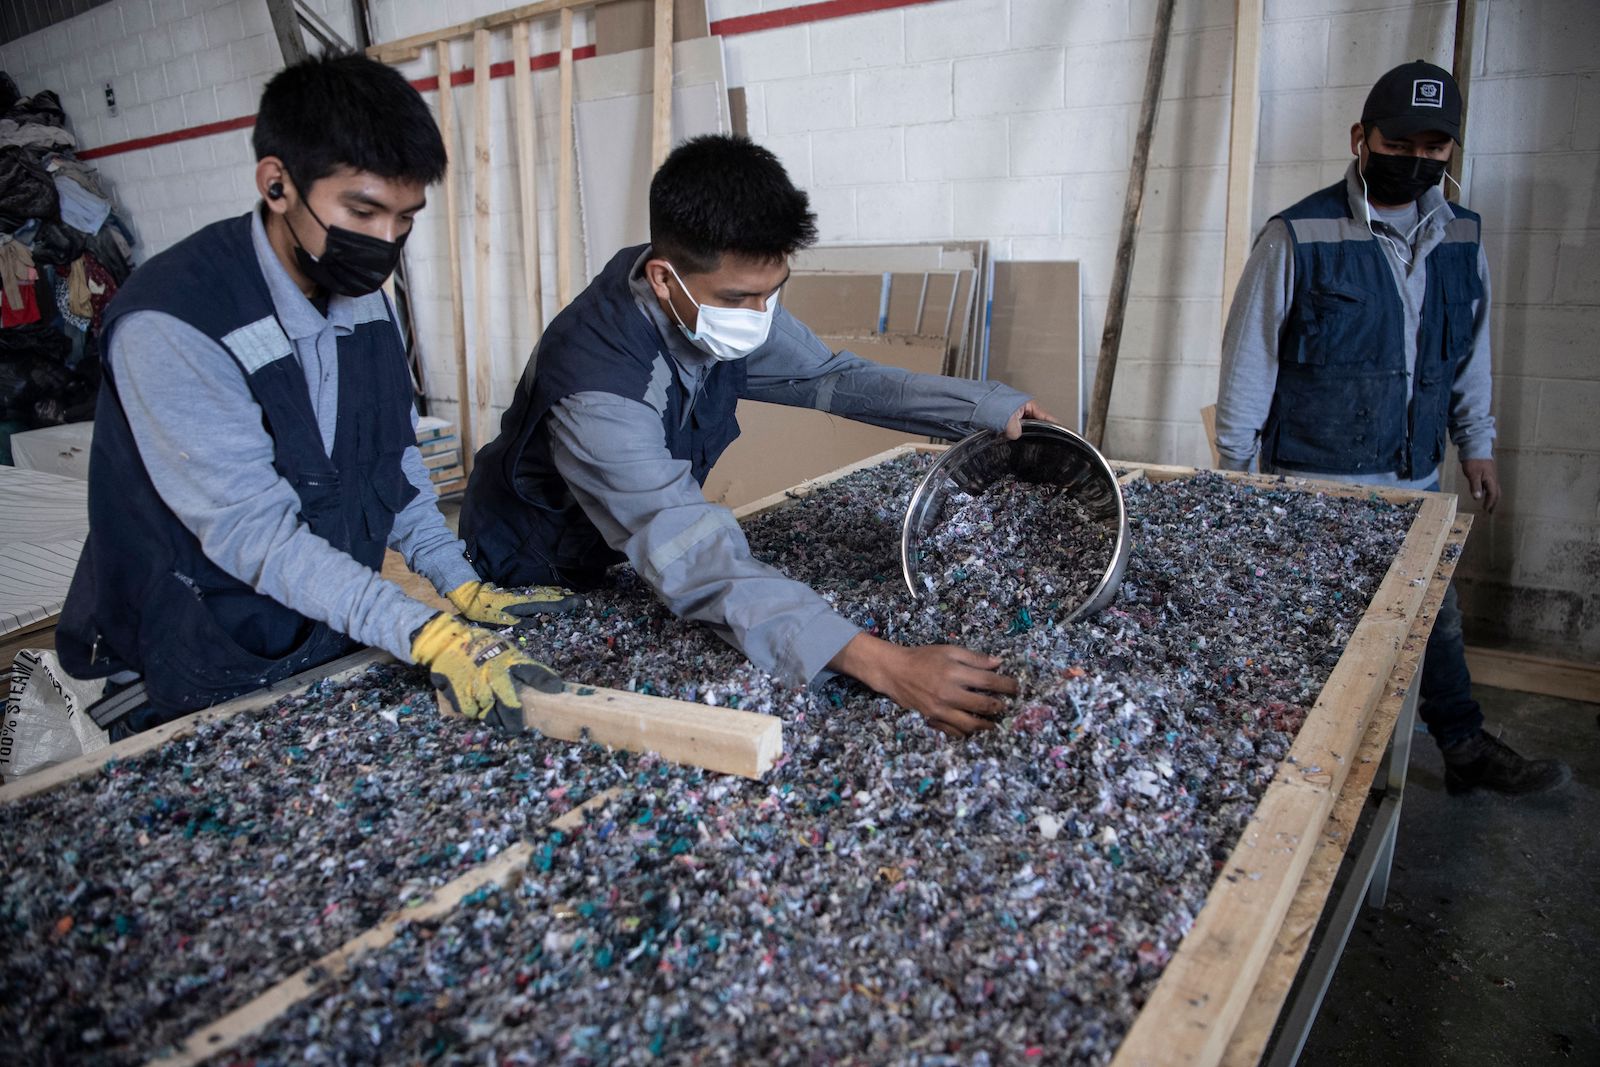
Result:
[886,895]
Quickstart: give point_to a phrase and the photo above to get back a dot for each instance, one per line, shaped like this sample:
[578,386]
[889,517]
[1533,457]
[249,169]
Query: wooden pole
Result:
[566,197]
[482,225]
[527,184]
[1466,49]
[1111,336]
[661,140]
[458,318]
[1242,143]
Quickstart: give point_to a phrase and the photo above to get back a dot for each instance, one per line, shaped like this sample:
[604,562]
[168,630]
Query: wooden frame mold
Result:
[1221,993]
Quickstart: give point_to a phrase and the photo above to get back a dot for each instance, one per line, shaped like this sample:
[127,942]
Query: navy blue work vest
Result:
[1342,404]
[144,596]
[521,523]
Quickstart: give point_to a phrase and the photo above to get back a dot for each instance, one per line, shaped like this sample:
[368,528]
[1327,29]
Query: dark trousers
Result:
[1447,705]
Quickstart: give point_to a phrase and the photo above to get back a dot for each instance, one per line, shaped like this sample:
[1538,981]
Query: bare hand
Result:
[1030,410]
[1483,482]
[955,689]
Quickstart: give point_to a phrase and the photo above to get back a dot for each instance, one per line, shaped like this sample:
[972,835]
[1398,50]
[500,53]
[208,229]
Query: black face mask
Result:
[352,264]
[1400,179]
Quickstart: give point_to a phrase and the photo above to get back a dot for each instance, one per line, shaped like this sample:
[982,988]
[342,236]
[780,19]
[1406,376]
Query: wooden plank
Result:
[523,107]
[41,633]
[458,315]
[1122,271]
[90,763]
[482,226]
[1242,130]
[1162,472]
[1250,1037]
[719,739]
[1196,1006]
[286,28]
[235,1027]
[1208,419]
[566,207]
[1535,674]
[408,48]
[661,98]
[1461,70]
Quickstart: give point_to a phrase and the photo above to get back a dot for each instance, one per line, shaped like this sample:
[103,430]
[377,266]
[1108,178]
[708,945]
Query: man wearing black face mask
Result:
[255,441]
[1358,337]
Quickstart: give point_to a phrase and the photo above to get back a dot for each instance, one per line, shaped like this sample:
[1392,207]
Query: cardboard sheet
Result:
[933,304]
[613,118]
[43,521]
[626,25]
[1036,339]
[781,446]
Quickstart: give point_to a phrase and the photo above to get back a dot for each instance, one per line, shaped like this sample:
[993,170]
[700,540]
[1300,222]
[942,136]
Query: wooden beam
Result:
[661,110]
[718,739]
[1535,674]
[1195,1007]
[251,1018]
[482,229]
[286,27]
[1121,273]
[1289,948]
[458,315]
[566,193]
[407,48]
[523,107]
[1242,130]
[90,763]
[1461,70]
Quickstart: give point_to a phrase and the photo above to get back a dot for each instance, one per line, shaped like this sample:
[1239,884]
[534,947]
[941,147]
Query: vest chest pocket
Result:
[1332,325]
[1461,289]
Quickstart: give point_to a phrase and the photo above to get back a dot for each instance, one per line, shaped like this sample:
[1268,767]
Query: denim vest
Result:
[1343,404]
[521,523]
[144,596]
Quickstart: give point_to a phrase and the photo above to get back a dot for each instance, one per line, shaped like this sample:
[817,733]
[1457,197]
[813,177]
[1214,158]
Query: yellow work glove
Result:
[493,606]
[478,671]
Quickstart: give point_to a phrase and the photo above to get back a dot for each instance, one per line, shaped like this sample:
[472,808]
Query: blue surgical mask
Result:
[726,334]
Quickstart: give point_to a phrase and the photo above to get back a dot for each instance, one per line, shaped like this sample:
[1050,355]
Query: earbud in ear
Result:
[275,191]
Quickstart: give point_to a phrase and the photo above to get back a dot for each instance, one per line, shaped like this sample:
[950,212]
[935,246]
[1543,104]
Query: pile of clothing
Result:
[63,252]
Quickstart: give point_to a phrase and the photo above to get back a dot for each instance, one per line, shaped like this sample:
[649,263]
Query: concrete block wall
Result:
[1013,120]
[172,64]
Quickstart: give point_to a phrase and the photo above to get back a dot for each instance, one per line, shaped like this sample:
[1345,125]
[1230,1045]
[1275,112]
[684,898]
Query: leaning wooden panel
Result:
[1196,1005]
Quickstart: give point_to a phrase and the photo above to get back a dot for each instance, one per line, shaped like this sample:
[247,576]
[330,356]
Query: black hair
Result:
[346,110]
[725,193]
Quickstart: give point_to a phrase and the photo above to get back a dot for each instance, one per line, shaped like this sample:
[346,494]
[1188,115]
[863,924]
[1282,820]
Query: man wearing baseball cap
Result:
[1359,337]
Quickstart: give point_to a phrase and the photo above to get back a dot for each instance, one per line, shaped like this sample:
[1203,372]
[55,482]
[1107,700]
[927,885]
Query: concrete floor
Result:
[1488,951]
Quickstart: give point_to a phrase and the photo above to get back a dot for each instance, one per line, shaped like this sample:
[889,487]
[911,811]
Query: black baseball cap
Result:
[1415,97]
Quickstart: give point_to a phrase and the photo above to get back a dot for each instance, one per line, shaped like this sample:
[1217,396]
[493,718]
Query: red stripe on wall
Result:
[796,16]
[185,134]
[767,20]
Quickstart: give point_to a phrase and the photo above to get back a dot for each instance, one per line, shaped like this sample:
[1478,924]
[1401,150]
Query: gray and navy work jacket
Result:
[1343,403]
[145,598]
[520,521]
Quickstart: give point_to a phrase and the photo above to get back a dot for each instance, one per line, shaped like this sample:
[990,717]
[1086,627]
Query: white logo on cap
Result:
[1427,92]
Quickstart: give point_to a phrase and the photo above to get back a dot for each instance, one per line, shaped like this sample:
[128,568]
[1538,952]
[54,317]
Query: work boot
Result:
[1484,760]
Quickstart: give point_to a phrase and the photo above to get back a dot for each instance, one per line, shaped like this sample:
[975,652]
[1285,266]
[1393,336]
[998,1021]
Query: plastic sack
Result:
[45,722]
[26,189]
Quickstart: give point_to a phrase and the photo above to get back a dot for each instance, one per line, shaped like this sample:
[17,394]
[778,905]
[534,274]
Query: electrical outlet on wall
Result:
[111,99]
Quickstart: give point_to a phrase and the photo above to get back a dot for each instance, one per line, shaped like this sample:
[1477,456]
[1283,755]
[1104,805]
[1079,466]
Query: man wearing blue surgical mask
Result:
[1358,337]
[629,400]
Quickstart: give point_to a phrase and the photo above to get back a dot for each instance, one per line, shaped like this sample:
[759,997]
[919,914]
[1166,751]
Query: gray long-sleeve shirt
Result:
[1261,304]
[200,435]
[647,505]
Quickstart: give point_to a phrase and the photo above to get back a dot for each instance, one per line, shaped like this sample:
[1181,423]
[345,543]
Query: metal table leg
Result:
[1369,880]
[1391,781]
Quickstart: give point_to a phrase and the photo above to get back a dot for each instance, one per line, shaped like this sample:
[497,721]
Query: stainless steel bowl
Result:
[1045,453]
